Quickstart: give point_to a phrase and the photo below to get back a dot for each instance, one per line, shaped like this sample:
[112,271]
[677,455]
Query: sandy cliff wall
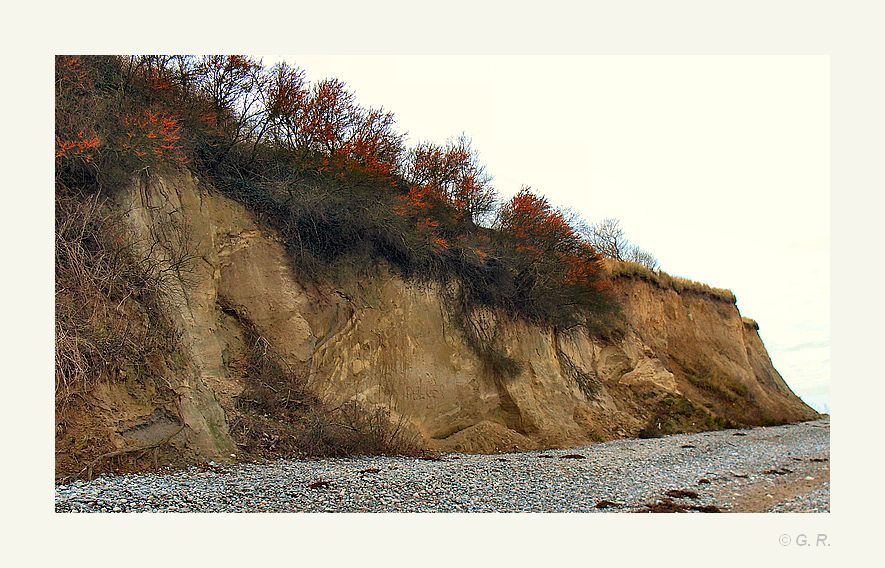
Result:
[385,342]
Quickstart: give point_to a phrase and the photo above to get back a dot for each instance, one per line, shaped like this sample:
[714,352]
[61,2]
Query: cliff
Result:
[687,361]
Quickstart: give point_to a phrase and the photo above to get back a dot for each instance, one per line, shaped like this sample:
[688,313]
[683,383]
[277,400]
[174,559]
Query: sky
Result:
[718,165]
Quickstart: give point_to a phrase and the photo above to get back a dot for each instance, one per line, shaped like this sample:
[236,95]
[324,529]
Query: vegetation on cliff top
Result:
[637,271]
[333,177]
[339,184]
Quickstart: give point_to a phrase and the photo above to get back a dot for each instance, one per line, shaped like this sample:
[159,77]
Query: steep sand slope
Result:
[687,360]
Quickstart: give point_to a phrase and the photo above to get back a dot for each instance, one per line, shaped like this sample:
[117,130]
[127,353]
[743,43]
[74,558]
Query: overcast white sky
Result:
[719,165]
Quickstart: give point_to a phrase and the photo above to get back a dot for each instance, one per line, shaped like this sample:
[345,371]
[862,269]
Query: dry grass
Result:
[636,271]
[108,298]
[749,322]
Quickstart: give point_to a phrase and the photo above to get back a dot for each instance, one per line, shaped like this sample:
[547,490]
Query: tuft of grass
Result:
[664,281]
[749,322]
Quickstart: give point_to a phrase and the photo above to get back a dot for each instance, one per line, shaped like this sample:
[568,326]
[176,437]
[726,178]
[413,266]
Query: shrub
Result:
[448,183]
[351,430]
[558,277]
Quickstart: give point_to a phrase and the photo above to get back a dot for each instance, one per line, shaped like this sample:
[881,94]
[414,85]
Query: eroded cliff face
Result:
[685,359]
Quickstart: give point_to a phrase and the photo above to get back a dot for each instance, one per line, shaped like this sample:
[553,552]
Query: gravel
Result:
[815,501]
[620,476]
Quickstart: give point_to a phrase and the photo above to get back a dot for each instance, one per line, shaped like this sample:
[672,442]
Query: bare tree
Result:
[643,257]
[608,238]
